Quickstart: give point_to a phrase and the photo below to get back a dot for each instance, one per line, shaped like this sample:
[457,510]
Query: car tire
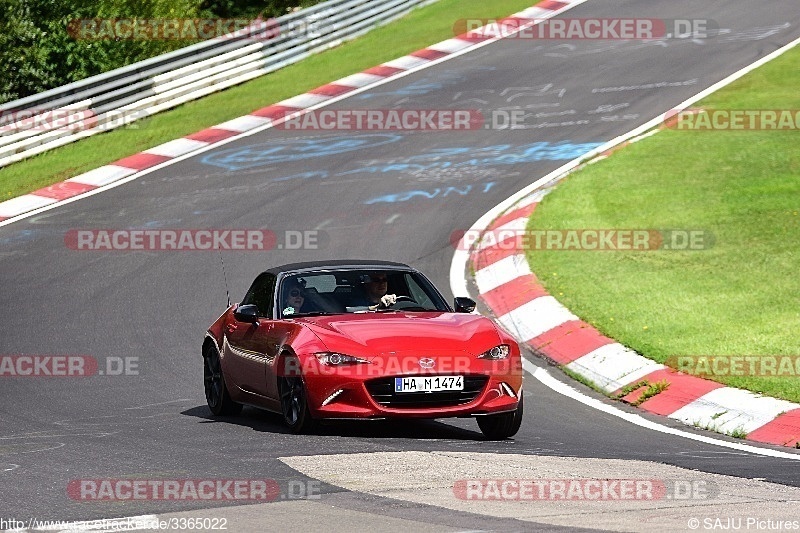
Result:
[502,426]
[294,403]
[217,397]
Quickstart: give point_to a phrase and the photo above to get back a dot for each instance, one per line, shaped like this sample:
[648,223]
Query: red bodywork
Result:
[254,357]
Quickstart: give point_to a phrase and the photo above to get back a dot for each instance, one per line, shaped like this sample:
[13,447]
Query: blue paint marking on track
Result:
[503,154]
[451,158]
[440,192]
[259,155]
[305,175]
[415,89]
[24,235]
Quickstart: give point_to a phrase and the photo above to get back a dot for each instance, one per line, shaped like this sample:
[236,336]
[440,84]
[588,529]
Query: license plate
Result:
[429,384]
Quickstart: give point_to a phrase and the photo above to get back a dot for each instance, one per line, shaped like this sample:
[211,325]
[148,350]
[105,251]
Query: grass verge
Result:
[740,297]
[419,29]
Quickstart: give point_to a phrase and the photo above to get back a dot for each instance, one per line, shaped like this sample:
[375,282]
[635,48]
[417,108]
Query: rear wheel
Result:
[294,403]
[217,396]
[502,426]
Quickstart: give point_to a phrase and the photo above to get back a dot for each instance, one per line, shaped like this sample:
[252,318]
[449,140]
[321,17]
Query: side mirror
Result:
[464,305]
[246,313]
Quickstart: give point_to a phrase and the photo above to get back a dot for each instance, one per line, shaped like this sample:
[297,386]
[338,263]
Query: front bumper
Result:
[489,387]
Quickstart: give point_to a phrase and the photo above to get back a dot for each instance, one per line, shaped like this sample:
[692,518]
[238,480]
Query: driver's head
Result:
[377,285]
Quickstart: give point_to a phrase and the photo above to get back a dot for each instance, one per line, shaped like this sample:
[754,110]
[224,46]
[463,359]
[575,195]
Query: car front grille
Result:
[382,391]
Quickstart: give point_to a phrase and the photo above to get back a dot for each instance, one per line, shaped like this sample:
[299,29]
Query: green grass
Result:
[417,30]
[741,296]
[582,379]
[627,389]
[650,390]
[738,433]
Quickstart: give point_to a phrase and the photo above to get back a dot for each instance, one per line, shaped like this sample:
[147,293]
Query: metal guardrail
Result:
[107,101]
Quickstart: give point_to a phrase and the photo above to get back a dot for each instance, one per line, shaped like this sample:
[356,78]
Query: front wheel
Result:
[217,397]
[294,404]
[502,426]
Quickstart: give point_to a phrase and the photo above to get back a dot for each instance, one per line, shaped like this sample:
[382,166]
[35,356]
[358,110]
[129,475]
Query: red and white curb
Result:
[523,307]
[509,288]
[128,167]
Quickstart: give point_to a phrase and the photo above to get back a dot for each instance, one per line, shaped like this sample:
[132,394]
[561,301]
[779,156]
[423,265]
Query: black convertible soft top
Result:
[335,263]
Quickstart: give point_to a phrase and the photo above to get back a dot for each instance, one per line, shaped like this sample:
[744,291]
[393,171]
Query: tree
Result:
[40,49]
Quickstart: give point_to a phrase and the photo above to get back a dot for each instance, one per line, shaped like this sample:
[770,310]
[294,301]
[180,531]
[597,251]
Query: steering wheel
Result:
[411,303]
[397,300]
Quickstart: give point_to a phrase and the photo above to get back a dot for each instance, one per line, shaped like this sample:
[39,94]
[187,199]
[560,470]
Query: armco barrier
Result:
[127,94]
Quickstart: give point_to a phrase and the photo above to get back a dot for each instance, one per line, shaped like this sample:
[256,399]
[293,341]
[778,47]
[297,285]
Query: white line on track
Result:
[562,388]
[159,404]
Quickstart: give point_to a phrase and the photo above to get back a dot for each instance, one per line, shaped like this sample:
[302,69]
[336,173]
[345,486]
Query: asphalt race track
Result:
[383,195]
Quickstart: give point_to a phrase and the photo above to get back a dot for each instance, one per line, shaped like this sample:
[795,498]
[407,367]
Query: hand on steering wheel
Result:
[388,300]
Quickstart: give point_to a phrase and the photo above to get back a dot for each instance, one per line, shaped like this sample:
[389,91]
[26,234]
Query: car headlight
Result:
[338,359]
[498,352]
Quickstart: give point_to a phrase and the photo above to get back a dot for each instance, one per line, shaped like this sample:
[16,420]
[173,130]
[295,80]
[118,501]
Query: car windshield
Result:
[357,291]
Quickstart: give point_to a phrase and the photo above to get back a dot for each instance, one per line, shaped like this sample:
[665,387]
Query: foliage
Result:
[39,51]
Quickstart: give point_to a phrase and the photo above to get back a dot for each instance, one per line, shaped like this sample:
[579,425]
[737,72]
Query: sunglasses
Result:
[378,280]
[294,293]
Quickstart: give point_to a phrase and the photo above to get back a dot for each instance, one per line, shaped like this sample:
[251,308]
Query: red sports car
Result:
[361,340]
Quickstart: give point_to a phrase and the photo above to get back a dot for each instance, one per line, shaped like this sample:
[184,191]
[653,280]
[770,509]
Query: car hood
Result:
[375,334]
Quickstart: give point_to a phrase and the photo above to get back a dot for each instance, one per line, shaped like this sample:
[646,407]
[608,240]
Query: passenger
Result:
[294,299]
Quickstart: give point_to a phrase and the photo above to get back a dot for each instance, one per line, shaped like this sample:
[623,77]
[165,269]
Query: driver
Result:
[376,285]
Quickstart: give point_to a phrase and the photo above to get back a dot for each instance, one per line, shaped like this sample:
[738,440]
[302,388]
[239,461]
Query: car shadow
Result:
[267,422]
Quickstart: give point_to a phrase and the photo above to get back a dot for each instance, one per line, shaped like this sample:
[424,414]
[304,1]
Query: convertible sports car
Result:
[361,340]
